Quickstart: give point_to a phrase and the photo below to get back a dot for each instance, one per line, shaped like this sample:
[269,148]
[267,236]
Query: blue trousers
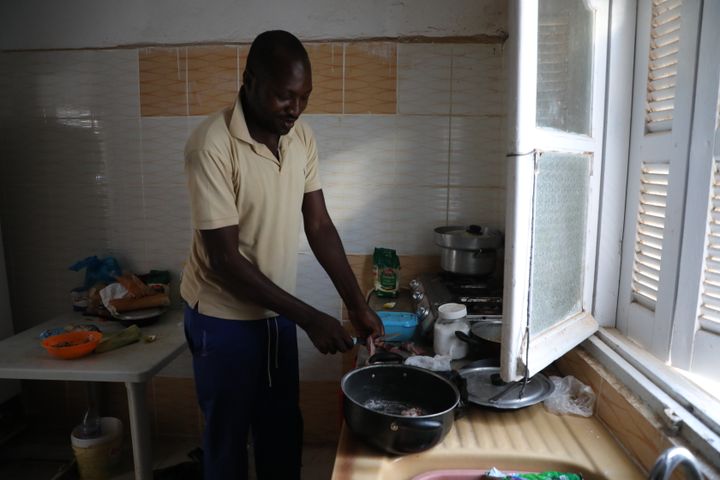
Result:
[246,377]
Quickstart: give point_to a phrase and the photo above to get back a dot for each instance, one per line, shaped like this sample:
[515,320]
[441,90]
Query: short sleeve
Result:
[212,197]
[312,174]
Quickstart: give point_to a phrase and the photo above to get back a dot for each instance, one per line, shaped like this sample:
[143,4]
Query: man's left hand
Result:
[366,323]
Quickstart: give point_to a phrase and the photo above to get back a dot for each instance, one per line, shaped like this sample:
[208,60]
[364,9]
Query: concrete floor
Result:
[35,456]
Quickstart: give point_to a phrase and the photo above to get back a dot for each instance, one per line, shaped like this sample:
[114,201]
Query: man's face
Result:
[278,99]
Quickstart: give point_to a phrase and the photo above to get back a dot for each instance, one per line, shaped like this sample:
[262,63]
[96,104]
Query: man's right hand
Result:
[328,335]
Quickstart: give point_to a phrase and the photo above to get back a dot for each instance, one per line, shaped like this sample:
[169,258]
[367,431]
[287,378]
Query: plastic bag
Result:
[570,396]
[438,363]
[97,270]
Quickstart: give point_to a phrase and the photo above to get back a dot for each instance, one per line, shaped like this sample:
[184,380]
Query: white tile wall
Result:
[82,173]
[424,76]
[477,155]
[316,288]
[478,80]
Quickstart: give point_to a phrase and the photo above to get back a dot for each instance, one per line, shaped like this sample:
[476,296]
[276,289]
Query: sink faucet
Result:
[671,458]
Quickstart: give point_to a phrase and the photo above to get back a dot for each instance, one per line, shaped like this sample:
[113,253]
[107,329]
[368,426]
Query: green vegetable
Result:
[119,339]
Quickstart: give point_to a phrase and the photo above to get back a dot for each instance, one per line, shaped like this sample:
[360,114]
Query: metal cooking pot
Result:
[468,250]
[375,397]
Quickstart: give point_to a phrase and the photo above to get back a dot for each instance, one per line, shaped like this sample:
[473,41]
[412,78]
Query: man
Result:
[253,175]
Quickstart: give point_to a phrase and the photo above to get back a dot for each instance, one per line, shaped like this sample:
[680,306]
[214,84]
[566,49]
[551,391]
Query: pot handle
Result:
[383,357]
[417,425]
[472,340]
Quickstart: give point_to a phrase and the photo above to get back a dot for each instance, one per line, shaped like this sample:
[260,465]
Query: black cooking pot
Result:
[375,398]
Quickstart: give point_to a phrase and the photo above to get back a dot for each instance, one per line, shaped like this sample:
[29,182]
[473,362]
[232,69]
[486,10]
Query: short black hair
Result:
[271,49]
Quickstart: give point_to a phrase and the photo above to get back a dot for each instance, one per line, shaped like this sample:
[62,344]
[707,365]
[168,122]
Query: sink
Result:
[470,467]
[456,474]
[530,439]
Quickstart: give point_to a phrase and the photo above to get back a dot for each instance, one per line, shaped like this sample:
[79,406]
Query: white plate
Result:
[141,314]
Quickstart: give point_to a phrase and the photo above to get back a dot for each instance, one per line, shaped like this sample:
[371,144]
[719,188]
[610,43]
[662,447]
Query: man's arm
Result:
[327,247]
[245,280]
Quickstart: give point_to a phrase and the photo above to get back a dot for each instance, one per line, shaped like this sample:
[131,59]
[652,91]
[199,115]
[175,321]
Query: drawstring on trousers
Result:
[269,347]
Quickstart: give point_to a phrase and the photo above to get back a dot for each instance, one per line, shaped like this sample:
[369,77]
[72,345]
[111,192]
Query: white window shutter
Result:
[662,64]
[665,53]
[709,315]
[650,231]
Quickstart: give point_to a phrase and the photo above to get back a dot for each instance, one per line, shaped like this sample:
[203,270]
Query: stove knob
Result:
[422,312]
[414,284]
[417,295]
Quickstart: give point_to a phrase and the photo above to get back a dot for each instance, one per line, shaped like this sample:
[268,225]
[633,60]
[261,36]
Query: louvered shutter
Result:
[662,67]
[665,62]
[650,231]
[709,315]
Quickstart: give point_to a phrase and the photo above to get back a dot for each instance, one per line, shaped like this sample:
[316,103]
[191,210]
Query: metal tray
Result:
[481,390]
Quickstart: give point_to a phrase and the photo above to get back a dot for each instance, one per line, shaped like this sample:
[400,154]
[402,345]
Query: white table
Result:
[23,357]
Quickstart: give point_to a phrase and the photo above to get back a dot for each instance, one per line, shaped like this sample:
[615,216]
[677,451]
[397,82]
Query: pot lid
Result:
[484,387]
[473,237]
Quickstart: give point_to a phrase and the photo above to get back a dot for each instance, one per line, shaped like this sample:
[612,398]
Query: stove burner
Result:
[493,300]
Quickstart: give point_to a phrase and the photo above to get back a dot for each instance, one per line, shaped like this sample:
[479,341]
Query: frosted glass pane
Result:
[558,243]
[565,51]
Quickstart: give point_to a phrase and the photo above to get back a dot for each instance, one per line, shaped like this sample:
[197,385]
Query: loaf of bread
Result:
[135,287]
[149,301]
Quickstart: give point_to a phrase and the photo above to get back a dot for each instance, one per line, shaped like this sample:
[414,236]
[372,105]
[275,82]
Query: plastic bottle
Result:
[451,319]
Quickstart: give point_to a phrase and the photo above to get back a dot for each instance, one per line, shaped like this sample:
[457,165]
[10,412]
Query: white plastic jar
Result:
[451,319]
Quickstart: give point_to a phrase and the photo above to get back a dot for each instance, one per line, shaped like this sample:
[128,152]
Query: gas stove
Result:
[482,296]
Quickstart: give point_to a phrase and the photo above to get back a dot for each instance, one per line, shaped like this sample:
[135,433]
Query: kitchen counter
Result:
[529,439]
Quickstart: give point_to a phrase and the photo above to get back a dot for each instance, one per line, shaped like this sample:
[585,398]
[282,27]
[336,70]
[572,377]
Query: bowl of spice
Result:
[72,344]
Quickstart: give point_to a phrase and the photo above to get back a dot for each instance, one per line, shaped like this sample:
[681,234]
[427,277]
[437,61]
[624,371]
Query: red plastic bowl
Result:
[72,344]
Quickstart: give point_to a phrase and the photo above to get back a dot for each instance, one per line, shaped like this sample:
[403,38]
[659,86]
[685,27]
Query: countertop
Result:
[529,439]
[22,356]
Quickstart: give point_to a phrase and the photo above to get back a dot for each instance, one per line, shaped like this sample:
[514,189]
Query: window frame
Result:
[663,388]
[526,139]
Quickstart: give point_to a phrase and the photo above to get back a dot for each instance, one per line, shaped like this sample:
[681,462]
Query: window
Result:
[558,66]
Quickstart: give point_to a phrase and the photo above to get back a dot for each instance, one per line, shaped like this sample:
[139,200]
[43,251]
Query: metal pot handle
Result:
[471,339]
[385,358]
[417,424]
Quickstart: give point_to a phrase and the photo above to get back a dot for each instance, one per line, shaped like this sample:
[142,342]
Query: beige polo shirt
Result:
[234,180]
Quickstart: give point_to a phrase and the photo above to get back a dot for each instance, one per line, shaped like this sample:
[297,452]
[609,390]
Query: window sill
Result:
[675,411]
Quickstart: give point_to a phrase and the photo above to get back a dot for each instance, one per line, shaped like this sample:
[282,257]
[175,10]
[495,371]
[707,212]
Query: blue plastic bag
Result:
[98,270]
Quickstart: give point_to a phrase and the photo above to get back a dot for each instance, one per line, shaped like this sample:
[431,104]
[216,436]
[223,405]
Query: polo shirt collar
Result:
[238,126]
[239,130]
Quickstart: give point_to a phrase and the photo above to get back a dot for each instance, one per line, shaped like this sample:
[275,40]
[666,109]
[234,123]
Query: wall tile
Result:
[421,150]
[169,233]
[360,212]
[477,156]
[127,228]
[370,77]
[327,74]
[476,205]
[424,78]
[79,84]
[59,150]
[163,81]
[414,213]
[478,80]
[212,78]
[163,146]
[328,130]
[367,151]
[315,287]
